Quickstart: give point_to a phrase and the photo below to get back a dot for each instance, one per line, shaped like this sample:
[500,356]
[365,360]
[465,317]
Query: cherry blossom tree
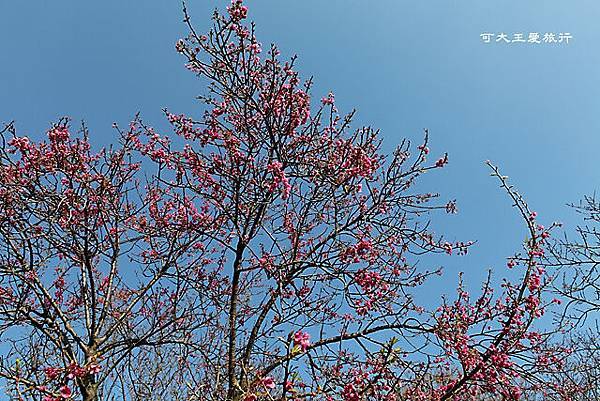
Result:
[262,250]
[579,261]
[91,265]
[576,261]
[579,377]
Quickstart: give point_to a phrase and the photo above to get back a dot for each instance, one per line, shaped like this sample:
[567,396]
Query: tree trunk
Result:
[89,391]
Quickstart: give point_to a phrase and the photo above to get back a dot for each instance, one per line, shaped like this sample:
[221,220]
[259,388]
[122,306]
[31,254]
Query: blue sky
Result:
[405,65]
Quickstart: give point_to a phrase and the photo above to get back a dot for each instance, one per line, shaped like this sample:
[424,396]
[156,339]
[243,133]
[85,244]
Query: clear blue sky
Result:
[405,65]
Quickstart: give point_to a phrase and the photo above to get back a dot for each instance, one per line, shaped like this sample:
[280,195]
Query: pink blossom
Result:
[442,161]
[51,372]
[279,177]
[58,134]
[268,382]
[330,99]
[302,339]
[65,392]
[94,368]
[237,10]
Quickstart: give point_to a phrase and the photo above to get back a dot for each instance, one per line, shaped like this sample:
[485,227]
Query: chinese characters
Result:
[531,38]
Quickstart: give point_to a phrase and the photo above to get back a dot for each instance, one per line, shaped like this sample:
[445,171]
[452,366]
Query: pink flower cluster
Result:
[65,393]
[71,372]
[302,340]
[279,178]
[352,161]
[184,126]
[171,210]
[329,100]
[237,10]
[363,250]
